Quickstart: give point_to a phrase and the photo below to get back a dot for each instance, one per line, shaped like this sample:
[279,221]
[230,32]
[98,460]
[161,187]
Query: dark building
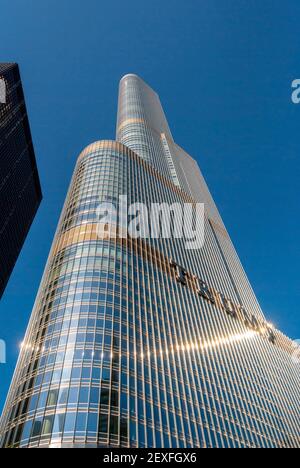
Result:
[20,191]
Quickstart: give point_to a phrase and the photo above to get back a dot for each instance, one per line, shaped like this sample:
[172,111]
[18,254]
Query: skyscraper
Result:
[141,342]
[20,191]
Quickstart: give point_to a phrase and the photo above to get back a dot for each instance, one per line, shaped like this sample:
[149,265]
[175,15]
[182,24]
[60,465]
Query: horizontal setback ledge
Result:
[109,144]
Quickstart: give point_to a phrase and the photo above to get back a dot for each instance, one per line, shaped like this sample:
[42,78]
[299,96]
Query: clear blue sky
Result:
[223,69]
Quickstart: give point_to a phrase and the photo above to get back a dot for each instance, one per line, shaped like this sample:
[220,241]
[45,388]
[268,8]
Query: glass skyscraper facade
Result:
[20,190]
[140,342]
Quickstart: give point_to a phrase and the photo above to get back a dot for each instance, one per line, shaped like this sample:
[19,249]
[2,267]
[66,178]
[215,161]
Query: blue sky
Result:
[223,70]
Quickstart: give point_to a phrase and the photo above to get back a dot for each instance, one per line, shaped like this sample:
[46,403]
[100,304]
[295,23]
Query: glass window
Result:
[84,395]
[37,427]
[70,422]
[27,430]
[58,423]
[73,395]
[104,396]
[92,425]
[47,425]
[103,423]
[81,422]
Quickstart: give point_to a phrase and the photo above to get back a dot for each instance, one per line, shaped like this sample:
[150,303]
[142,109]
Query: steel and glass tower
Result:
[140,342]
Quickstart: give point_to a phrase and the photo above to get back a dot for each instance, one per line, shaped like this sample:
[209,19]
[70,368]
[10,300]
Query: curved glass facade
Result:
[119,353]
